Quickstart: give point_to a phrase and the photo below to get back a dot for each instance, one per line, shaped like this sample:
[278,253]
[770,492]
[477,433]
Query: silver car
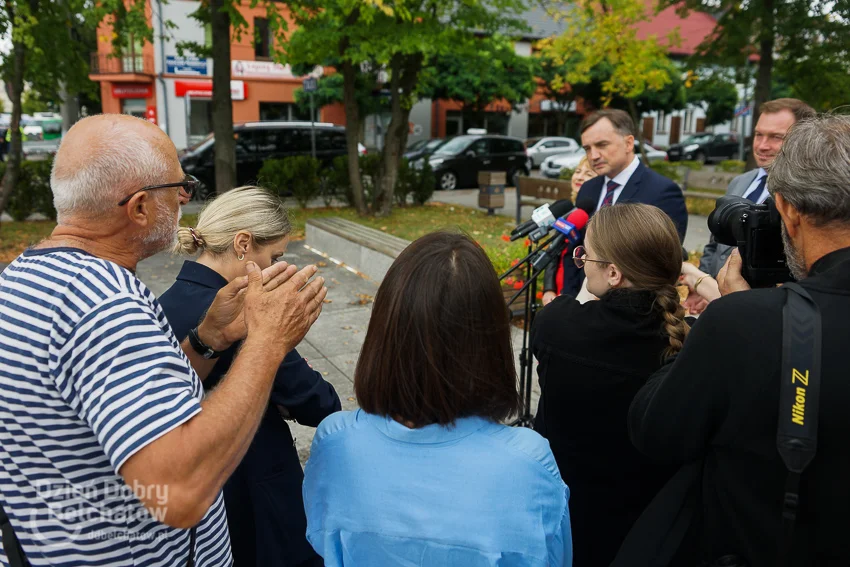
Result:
[541,148]
[552,167]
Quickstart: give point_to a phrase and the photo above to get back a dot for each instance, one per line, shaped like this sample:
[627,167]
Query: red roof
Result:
[693,28]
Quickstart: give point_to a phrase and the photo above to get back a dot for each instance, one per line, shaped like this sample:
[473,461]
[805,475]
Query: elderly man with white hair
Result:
[110,453]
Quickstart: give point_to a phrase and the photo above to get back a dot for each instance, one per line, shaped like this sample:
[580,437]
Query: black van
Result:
[456,163]
[258,141]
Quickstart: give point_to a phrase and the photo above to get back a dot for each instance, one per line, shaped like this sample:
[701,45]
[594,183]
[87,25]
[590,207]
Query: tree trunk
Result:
[13,165]
[636,119]
[222,103]
[352,135]
[764,75]
[404,74]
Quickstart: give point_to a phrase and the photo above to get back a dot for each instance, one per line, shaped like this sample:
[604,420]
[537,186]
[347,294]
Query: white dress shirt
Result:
[763,197]
[621,179]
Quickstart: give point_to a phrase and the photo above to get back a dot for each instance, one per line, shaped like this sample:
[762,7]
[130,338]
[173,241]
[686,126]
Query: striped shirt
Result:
[90,373]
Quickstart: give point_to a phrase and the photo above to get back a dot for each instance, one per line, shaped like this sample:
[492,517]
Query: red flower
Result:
[509,281]
[518,285]
[539,295]
[506,238]
[514,262]
[527,243]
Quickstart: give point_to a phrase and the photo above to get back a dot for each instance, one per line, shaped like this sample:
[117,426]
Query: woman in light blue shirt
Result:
[425,474]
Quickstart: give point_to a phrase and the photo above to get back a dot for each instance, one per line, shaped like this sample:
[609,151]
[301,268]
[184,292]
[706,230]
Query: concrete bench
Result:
[707,179]
[536,192]
[365,249]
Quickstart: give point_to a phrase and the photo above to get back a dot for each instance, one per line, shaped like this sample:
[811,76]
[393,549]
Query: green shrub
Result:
[299,174]
[732,166]
[668,169]
[369,167]
[566,174]
[337,180]
[416,183]
[424,185]
[692,165]
[32,192]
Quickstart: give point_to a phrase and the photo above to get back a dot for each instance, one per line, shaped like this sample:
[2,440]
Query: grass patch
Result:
[15,237]
[410,223]
[699,206]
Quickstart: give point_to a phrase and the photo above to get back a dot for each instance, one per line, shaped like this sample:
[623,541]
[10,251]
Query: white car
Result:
[541,148]
[553,166]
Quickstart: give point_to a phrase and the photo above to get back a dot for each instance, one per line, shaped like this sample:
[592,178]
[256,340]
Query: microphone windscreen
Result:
[560,208]
[587,205]
[578,218]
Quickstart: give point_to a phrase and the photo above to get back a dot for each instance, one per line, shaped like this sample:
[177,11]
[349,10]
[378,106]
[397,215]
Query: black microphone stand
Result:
[525,418]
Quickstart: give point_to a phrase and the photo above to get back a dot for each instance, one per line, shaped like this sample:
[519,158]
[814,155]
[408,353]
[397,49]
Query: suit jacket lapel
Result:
[745,181]
[591,189]
[632,185]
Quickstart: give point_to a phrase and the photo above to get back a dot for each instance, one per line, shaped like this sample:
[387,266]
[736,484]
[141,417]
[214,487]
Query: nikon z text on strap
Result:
[797,430]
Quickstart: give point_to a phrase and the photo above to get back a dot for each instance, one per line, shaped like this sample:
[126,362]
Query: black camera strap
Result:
[797,430]
[11,545]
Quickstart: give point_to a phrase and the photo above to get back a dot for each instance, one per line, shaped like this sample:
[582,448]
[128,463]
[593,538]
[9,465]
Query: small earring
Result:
[240,257]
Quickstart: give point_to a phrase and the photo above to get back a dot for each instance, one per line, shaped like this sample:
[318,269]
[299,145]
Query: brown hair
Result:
[643,243]
[438,346]
[798,108]
[620,119]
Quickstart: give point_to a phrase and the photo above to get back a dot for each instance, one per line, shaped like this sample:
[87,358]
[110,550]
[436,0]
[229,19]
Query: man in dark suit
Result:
[717,405]
[608,137]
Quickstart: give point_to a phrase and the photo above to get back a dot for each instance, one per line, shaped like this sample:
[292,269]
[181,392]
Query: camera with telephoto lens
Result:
[757,232]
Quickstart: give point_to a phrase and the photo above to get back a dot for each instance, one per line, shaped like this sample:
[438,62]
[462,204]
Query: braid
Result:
[674,318]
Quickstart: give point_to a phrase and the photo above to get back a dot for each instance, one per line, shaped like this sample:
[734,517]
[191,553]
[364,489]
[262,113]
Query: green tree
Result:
[398,38]
[226,21]
[50,43]
[600,49]
[33,101]
[491,72]
[715,92]
[806,41]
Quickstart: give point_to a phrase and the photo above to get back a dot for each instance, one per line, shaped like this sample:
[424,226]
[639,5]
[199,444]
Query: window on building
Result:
[689,114]
[662,121]
[262,38]
[200,119]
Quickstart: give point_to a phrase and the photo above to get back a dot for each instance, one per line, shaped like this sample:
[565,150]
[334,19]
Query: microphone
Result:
[541,220]
[569,234]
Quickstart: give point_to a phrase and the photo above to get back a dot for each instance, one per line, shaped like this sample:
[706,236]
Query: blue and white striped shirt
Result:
[90,373]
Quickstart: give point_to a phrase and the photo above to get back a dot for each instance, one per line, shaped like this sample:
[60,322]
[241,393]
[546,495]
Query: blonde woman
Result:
[265,510]
[594,357]
[553,277]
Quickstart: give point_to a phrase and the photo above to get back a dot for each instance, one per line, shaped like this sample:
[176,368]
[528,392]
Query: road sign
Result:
[311,85]
[175,65]
[742,111]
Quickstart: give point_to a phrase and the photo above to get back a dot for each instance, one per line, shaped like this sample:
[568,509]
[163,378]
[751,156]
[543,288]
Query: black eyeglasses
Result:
[189,185]
[579,253]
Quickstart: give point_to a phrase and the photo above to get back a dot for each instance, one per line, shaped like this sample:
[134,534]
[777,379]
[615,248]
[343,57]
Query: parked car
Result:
[423,148]
[541,148]
[258,141]
[705,148]
[552,166]
[457,162]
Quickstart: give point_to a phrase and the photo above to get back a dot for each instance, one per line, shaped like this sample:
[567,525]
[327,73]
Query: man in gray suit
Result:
[775,119]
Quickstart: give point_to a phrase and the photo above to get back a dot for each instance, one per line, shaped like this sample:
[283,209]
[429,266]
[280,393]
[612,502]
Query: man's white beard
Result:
[163,236]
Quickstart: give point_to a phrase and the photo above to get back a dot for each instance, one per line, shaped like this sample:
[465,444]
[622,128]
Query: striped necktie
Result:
[756,193]
[609,195]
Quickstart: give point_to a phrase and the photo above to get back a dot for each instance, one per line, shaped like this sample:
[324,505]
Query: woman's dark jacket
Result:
[593,358]
[265,510]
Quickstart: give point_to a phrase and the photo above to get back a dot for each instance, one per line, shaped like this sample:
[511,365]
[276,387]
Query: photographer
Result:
[715,406]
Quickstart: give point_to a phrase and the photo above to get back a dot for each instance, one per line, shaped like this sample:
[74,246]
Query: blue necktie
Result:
[609,196]
[756,193]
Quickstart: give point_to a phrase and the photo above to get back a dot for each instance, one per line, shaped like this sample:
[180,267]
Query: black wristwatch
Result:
[200,347]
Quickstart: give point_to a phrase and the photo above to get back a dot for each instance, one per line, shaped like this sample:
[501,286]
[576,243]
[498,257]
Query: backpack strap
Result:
[11,545]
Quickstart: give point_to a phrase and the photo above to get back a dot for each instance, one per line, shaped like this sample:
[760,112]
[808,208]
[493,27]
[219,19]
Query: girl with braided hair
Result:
[594,357]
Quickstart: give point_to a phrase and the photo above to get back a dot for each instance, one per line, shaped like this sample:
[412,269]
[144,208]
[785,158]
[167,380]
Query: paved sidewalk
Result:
[333,344]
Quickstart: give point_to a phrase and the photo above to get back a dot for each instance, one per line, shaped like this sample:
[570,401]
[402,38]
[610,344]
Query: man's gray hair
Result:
[812,170]
[120,162]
